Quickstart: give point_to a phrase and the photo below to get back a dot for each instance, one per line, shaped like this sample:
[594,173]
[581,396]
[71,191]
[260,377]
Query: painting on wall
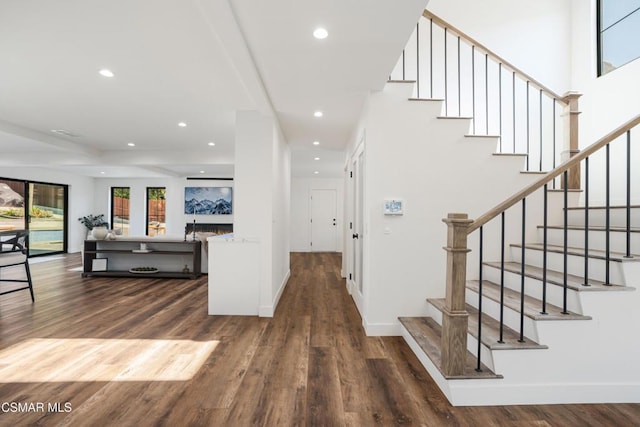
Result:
[208,201]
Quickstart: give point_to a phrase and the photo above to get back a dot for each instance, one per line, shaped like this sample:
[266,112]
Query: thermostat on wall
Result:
[393,207]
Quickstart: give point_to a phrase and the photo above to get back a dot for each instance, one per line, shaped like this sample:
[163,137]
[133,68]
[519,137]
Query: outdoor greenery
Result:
[157,193]
[122,192]
[91,221]
[40,213]
[13,213]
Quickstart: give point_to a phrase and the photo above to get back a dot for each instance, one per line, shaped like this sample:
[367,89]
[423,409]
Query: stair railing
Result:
[459,228]
[502,100]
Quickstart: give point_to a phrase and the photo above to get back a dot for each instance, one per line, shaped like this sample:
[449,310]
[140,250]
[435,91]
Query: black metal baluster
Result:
[586,222]
[478,367]
[566,240]
[459,85]
[446,104]
[500,102]
[502,282]
[513,90]
[418,60]
[431,58]
[607,217]
[554,139]
[544,252]
[486,91]
[528,131]
[540,130]
[473,87]
[628,254]
[522,271]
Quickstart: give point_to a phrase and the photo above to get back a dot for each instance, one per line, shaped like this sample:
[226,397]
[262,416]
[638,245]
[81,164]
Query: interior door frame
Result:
[356,274]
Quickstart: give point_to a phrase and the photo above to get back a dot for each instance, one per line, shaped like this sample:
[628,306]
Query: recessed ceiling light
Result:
[316,172]
[316,142]
[318,114]
[320,33]
[211,144]
[101,172]
[201,171]
[106,73]
[131,144]
[316,158]
[182,124]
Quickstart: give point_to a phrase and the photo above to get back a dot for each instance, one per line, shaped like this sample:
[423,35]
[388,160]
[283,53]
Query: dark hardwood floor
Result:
[138,352]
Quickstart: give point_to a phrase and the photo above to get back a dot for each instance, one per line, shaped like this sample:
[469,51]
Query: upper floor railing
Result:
[500,99]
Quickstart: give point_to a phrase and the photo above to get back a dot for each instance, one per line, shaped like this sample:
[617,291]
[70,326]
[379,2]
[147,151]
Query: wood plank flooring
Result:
[144,352]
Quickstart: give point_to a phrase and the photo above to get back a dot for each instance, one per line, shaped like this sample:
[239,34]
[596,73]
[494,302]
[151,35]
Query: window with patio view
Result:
[38,207]
[618,33]
[120,210]
[156,197]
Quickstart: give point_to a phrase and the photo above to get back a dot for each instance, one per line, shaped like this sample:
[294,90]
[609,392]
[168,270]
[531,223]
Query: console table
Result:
[169,257]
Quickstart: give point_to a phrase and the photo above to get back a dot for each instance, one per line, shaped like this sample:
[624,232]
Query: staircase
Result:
[550,313]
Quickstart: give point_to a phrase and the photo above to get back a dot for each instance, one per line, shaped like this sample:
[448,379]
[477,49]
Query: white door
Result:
[324,229]
[356,228]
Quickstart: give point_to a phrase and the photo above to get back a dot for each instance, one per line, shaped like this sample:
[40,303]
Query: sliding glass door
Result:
[46,218]
[38,207]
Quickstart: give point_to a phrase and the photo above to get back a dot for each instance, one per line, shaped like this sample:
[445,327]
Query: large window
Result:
[618,33]
[120,210]
[38,207]
[156,197]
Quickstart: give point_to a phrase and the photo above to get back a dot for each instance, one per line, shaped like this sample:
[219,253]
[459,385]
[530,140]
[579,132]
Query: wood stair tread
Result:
[427,99]
[593,253]
[556,278]
[491,330]
[427,333]
[532,306]
[593,227]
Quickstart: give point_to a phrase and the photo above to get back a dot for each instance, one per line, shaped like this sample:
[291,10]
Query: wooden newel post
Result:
[455,316]
[571,143]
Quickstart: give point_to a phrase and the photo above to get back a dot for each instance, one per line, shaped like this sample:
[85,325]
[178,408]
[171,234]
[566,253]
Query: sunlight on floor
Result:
[64,360]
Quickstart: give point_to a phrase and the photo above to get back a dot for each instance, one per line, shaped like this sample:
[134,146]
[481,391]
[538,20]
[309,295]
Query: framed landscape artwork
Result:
[208,201]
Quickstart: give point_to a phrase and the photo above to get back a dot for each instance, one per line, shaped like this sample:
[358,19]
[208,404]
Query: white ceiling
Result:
[197,61]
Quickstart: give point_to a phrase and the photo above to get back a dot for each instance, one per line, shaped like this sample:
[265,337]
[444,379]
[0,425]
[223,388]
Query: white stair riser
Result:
[597,239]
[617,217]
[472,344]
[575,264]
[533,288]
[511,317]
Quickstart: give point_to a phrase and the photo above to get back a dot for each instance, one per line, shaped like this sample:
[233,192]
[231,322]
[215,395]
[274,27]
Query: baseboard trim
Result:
[381,329]
[269,310]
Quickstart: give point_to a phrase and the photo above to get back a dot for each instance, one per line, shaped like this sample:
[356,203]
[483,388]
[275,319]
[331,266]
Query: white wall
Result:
[607,102]
[281,213]
[262,191]
[80,196]
[533,36]
[301,189]
[427,162]
[175,216]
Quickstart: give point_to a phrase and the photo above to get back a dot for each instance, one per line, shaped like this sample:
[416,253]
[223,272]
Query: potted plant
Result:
[96,224]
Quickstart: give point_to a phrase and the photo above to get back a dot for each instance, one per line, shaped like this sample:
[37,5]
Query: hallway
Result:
[144,352]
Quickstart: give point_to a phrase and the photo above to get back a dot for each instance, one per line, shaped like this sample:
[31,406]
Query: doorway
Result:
[357,227]
[324,230]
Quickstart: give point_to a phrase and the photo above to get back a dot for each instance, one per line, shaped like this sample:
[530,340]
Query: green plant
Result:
[91,221]
[15,213]
[40,213]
